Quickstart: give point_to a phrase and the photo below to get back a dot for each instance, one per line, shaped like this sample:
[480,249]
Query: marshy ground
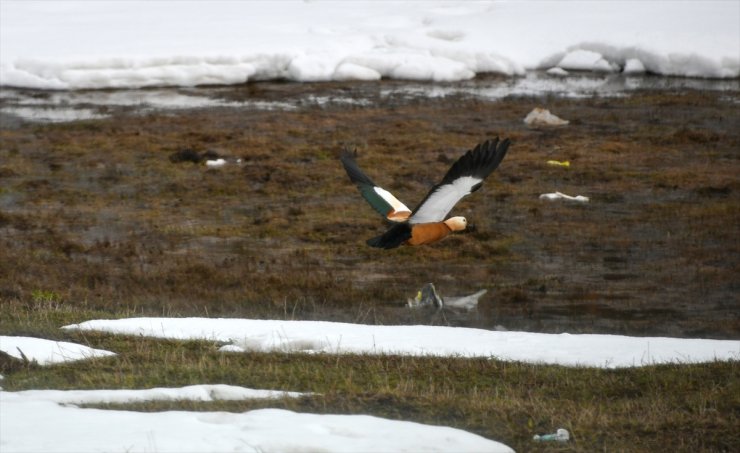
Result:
[100,213]
[101,218]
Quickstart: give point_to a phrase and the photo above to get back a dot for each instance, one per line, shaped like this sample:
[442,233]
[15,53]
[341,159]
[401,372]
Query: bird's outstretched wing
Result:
[464,177]
[380,199]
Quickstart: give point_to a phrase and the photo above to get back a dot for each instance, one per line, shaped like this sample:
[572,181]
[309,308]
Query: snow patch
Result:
[608,351]
[47,352]
[213,392]
[586,60]
[68,428]
[128,45]
[54,115]
[633,66]
[557,72]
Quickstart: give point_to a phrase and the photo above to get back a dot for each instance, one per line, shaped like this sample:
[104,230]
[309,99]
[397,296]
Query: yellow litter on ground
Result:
[558,163]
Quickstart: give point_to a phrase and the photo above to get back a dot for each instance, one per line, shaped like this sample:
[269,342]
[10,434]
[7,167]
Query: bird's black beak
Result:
[470,228]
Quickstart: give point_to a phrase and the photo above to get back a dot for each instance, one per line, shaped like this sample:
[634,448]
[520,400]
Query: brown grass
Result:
[97,212]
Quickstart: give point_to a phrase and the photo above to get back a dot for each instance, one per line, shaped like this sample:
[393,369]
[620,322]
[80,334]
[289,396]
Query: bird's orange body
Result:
[427,233]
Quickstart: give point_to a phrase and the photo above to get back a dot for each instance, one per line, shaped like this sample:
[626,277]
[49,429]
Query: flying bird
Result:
[427,223]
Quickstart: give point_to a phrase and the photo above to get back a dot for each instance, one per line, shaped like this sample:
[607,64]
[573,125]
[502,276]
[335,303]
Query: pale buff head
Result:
[456,223]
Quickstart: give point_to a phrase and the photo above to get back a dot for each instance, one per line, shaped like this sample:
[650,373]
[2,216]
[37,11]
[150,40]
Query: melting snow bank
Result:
[79,44]
[46,352]
[35,421]
[608,351]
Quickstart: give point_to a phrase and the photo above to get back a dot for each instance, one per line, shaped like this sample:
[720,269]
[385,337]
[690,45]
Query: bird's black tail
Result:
[395,236]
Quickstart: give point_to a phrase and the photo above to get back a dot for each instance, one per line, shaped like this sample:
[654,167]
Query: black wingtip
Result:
[480,161]
[491,153]
[347,157]
[499,149]
[347,153]
[353,170]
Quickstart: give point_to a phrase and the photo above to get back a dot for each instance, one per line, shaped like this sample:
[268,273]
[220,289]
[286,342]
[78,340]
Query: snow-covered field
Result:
[68,428]
[80,44]
[67,45]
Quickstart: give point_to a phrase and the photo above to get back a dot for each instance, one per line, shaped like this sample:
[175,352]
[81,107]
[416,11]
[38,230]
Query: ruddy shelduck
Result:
[428,223]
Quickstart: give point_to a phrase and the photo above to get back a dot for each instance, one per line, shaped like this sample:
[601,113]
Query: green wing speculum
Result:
[380,199]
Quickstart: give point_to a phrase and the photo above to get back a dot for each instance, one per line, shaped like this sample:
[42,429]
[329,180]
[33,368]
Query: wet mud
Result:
[102,213]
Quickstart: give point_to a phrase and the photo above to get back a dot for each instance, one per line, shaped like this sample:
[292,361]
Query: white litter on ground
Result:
[215,163]
[542,117]
[429,297]
[561,196]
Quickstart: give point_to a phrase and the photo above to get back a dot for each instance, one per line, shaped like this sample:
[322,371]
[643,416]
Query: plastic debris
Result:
[561,435]
[543,117]
[561,196]
[557,163]
[428,297]
[466,302]
[216,163]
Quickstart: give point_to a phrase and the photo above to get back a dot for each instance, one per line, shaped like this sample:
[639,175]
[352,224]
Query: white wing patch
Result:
[391,200]
[442,200]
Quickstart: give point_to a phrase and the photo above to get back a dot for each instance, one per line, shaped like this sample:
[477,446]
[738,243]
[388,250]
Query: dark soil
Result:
[123,212]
